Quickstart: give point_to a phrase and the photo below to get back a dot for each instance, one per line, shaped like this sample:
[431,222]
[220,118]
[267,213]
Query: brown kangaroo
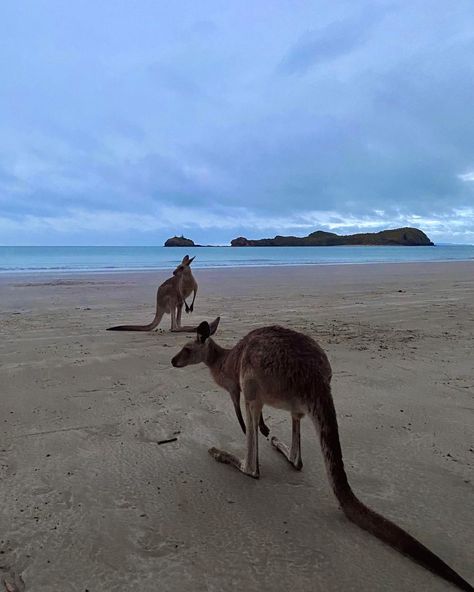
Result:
[170,298]
[288,370]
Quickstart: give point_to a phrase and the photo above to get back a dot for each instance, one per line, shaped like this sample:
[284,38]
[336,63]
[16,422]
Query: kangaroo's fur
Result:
[170,297]
[289,370]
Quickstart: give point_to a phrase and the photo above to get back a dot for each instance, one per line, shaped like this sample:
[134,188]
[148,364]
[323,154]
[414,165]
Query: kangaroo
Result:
[289,370]
[170,298]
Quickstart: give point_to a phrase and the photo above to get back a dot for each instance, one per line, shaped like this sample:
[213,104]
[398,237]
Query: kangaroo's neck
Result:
[216,357]
[187,274]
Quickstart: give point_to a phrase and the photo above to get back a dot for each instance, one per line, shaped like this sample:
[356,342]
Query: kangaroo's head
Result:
[195,351]
[184,265]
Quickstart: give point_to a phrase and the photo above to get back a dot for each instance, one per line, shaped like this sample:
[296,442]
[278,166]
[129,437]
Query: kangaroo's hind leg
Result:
[249,465]
[235,396]
[176,312]
[174,326]
[179,311]
[292,455]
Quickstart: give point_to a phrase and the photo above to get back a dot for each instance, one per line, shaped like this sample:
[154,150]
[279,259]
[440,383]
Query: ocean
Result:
[69,260]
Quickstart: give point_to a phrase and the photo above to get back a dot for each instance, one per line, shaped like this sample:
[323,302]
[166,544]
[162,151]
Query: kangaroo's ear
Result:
[189,261]
[213,326]
[185,260]
[203,331]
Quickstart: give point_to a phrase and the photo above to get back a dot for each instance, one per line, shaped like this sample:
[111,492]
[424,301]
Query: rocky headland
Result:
[410,237]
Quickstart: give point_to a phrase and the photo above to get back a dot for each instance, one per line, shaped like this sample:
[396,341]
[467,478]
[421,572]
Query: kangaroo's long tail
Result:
[155,322]
[325,420]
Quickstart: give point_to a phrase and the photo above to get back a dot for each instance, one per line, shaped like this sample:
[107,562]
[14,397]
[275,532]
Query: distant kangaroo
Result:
[170,297]
[288,370]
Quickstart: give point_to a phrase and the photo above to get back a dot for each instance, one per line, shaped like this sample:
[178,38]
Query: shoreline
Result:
[47,273]
[73,261]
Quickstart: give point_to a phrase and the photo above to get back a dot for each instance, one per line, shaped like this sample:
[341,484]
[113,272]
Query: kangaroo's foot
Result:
[229,459]
[185,329]
[294,460]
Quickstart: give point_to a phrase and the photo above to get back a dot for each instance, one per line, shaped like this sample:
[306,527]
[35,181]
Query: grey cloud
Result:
[332,41]
[176,81]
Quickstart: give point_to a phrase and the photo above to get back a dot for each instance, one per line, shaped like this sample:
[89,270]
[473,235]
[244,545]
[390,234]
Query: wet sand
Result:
[90,501]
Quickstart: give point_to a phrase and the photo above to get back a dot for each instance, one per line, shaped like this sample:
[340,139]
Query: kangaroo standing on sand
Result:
[170,297]
[288,370]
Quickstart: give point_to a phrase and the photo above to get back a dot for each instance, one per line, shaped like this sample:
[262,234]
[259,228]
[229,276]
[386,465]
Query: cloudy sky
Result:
[127,122]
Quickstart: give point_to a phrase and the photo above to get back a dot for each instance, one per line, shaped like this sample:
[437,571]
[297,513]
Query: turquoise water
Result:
[100,259]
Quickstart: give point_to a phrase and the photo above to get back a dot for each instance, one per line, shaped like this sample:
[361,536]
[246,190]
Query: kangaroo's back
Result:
[292,361]
[168,293]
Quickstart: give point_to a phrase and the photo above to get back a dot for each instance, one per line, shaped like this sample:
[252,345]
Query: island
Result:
[409,237]
[180,241]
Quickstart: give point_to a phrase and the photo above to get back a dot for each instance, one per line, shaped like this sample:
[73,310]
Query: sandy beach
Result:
[91,502]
